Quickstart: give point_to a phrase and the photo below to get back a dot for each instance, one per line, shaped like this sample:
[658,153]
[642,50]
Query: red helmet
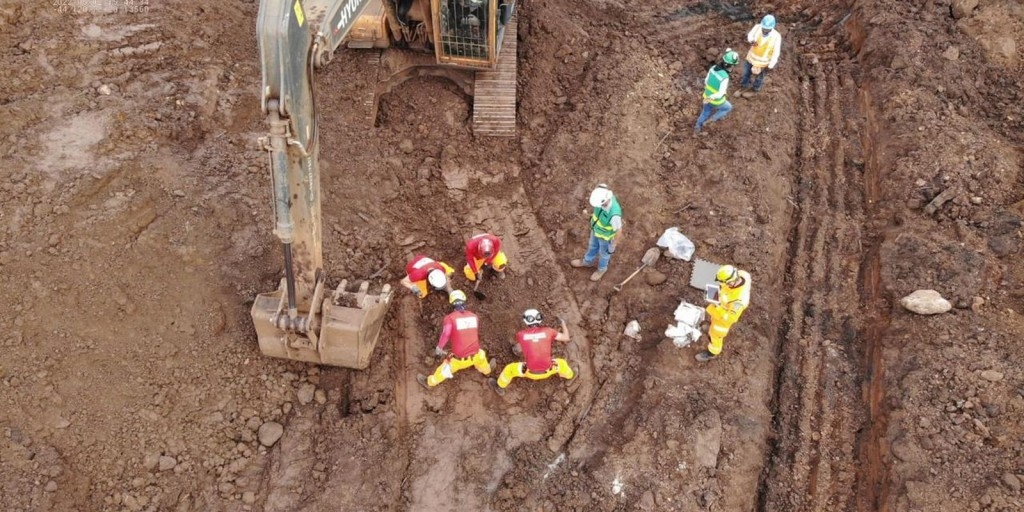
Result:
[486,248]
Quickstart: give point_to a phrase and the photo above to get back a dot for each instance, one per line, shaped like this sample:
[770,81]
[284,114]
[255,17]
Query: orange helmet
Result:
[486,247]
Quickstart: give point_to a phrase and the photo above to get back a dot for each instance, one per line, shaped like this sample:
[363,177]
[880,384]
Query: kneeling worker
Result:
[535,342]
[460,327]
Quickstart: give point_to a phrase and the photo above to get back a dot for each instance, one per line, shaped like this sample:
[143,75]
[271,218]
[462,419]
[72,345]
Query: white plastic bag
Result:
[676,244]
[682,335]
[689,314]
[687,330]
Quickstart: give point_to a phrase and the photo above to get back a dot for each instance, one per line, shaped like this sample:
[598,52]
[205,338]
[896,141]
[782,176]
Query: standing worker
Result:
[535,343]
[715,86]
[423,274]
[605,231]
[484,251]
[766,43]
[460,327]
[733,299]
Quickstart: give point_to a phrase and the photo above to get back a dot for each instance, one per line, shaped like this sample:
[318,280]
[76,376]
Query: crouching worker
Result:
[484,251]
[460,327]
[535,343]
[424,274]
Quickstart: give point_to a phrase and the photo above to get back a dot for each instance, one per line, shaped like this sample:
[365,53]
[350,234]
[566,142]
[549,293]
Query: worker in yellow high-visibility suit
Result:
[733,299]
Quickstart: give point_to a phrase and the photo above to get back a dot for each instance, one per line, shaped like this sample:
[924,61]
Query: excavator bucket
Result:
[343,332]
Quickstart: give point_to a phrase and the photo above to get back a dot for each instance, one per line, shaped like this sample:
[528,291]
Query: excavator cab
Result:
[470,32]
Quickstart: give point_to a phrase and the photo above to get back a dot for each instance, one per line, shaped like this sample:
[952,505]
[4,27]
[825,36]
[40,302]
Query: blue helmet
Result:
[768,22]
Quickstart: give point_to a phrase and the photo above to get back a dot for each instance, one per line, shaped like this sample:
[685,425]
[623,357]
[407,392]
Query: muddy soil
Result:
[883,157]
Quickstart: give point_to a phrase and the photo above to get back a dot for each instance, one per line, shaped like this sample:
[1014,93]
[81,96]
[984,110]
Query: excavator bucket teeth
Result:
[343,334]
[494,92]
[351,325]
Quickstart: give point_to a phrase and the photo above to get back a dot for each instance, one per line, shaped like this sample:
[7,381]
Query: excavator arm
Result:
[295,322]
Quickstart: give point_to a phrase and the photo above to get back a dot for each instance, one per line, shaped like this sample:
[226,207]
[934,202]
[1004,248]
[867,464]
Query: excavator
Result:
[470,42]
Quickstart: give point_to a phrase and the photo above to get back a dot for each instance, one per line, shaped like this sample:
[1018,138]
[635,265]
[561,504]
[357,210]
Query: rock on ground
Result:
[926,302]
[655,278]
[270,432]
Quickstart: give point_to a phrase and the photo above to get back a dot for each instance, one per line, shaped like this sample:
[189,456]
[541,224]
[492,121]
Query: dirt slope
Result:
[884,157]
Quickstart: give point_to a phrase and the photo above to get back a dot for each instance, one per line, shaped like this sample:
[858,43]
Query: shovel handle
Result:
[619,286]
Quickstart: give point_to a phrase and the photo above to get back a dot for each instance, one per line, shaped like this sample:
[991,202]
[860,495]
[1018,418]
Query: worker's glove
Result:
[439,352]
[611,247]
[416,291]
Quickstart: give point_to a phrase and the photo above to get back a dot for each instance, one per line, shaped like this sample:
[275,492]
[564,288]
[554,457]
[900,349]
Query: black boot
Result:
[497,389]
[705,356]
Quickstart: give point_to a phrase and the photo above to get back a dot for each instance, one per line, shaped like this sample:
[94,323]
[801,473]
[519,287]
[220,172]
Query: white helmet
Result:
[437,279]
[532,317]
[600,195]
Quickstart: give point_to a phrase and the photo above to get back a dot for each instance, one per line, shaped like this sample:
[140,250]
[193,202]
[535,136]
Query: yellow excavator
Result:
[471,42]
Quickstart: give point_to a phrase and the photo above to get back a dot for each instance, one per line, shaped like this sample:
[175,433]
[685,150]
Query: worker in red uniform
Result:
[460,327]
[424,274]
[484,251]
[535,343]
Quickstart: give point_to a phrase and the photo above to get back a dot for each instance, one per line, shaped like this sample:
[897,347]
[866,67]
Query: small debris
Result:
[944,197]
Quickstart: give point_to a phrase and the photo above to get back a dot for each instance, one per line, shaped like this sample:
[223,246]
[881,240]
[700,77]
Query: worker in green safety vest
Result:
[715,86]
[605,231]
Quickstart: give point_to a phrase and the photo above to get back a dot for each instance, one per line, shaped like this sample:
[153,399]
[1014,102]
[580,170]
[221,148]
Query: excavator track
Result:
[494,94]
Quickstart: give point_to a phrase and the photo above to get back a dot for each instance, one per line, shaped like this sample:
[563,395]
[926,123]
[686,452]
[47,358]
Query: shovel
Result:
[477,293]
[649,259]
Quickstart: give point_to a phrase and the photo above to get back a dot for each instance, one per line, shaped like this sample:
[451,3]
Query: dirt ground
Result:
[885,156]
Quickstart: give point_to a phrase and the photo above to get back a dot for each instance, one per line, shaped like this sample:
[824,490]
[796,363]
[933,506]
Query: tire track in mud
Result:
[812,461]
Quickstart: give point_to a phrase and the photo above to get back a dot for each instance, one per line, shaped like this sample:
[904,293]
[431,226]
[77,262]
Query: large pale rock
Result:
[926,302]
[306,393]
[270,432]
[962,8]
[708,439]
